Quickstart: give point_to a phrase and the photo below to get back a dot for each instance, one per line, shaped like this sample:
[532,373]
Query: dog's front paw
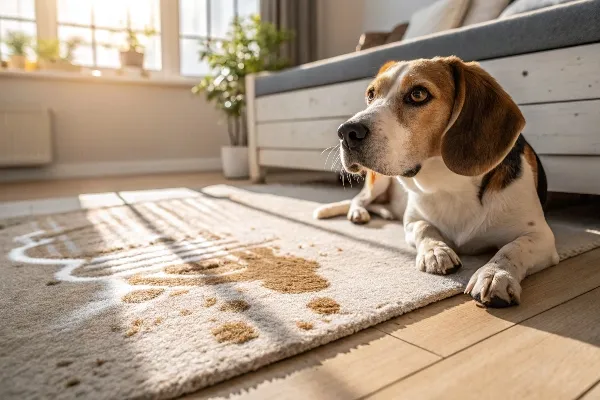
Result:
[495,287]
[437,258]
[359,215]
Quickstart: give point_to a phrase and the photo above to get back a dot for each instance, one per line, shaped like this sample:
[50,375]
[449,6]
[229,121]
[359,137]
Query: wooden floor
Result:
[546,348]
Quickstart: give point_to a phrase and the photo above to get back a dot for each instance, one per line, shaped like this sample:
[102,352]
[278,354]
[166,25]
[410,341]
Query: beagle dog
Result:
[441,143]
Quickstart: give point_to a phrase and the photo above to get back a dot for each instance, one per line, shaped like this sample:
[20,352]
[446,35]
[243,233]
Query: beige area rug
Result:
[160,298]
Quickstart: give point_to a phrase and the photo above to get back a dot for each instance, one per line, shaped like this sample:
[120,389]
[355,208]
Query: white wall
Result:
[99,123]
[341,22]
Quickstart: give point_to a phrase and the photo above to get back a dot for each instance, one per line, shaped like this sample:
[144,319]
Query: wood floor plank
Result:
[347,369]
[593,393]
[554,355]
[455,324]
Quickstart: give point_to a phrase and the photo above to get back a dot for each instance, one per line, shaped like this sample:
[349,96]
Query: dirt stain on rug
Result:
[234,332]
[185,312]
[139,296]
[210,301]
[324,305]
[135,327]
[281,273]
[179,292]
[307,326]
[235,306]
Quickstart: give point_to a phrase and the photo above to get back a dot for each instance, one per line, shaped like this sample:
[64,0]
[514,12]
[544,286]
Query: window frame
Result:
[46,20]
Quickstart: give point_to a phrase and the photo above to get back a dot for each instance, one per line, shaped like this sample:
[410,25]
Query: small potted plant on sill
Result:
[17,43]
[250,46]
[49,58]
[133,54]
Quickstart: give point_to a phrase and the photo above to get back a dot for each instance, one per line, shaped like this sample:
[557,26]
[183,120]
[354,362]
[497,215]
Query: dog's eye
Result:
[419,95]
[370,94]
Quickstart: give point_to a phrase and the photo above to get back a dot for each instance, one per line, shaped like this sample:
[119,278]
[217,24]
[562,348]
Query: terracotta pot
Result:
[17,62]
[132,58]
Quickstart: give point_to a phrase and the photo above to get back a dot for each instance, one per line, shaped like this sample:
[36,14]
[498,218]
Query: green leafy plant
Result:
[17,42]
[70,46]
[49,49]
[250,46]
[132,42]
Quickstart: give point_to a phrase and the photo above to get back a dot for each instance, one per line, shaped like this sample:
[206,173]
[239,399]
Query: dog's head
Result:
[427,108]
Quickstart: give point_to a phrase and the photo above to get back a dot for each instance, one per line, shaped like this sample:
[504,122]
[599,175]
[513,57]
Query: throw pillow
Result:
[521,6]
[484,10]
[440,16]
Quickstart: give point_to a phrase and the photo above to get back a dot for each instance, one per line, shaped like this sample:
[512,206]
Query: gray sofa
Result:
[548,60]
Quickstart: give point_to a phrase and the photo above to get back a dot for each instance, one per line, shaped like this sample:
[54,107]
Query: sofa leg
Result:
[258,174]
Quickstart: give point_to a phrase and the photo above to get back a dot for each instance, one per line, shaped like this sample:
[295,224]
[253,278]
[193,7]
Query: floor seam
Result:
[475,343]
[412,344]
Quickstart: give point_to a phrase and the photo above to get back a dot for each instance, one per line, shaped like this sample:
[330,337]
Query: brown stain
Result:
[234,332]
[52,283]
[135,327]
[324,305]
[210,301]
[179,292]
[158,321]
[532,161]
[72,382]
[185,312]
[139,296]
[64,363]
[235,306]
[99,362]
[307,326]
[281,273]
[213,266]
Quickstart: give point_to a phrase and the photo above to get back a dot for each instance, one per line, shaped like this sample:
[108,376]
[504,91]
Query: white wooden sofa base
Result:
[558,92]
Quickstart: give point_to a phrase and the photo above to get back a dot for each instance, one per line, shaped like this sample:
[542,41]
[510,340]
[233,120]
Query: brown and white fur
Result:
[441,143]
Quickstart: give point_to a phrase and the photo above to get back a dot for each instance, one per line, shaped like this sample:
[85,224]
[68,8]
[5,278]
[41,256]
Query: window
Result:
[101,24]
[16,16]
[200,19]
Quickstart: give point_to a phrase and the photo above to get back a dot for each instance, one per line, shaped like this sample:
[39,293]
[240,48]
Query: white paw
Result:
[359,215]
[386,214]
[495,287]
[437,258]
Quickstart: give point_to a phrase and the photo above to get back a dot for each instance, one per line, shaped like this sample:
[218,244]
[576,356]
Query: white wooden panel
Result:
[315,134]
[338,100]
[572,174]
[564,128]
[301,159]
[556,75]
[572,73]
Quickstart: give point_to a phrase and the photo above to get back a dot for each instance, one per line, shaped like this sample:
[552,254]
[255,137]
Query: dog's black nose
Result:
[352,134]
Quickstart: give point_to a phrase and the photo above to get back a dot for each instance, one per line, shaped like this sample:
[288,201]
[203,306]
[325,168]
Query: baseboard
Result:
[98,169]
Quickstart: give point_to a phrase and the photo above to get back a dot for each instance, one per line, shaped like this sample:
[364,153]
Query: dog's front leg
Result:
[375,186]
[497,284]
[433,253]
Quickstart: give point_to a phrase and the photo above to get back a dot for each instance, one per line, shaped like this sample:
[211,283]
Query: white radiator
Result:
[25,135]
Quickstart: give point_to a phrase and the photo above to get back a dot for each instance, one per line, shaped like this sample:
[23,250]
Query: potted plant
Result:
[49,54]
[17,43]
[133,54]
[250,46]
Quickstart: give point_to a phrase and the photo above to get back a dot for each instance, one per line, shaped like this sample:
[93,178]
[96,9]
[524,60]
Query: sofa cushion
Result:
[521,6]
[483,11]
[440,16]
[546,29]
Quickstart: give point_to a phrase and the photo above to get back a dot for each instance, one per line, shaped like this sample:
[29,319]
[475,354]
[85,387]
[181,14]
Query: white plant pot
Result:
[235,162]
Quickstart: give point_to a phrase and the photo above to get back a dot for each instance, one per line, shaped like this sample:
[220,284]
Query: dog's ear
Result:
[485,121]
[386,66]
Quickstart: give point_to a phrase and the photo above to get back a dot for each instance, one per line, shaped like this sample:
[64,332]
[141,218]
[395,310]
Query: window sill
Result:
[155,79]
